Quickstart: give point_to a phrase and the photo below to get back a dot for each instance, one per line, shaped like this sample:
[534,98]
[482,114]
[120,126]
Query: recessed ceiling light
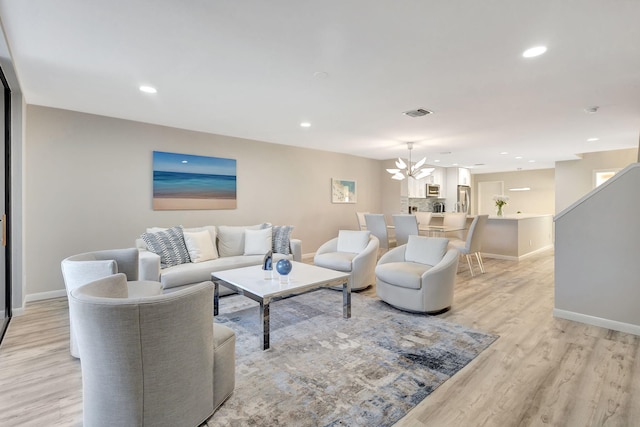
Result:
[185,161]
[518,157]
[454,164]
[148,89]
[532,161]
[504,152]
[591,110]
[534,51]
[305,124]
[592,139]
[436,161]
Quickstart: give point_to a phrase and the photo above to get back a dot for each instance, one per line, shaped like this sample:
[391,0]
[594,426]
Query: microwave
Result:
[433,190]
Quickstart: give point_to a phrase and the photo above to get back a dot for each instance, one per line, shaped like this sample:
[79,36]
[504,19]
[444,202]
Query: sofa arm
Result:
[295,246]
[149,266]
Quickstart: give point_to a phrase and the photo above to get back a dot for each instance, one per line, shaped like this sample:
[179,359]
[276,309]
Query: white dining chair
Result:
[362,223]
[406,225]
[456,221]
[473,244]
[378,227]
[424,218]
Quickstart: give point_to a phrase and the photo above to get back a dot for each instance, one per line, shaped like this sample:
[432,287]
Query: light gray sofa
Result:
[151,361]
[235,246]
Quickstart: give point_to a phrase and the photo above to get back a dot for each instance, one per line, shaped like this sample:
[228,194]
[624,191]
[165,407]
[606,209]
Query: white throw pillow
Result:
[257,242]
[426,250]
[212,233]
[353,241]
[200,246]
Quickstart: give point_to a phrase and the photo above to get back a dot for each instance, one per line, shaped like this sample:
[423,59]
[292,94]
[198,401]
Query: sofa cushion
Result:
[353,241]
[231,239]
[341,261]
[169,244]
[281,239]
[200,246]
[402,274]
[213,233]
[426,250]
[257,242]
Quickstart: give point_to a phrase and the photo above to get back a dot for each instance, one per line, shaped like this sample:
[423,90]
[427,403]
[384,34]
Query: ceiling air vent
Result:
[417,113]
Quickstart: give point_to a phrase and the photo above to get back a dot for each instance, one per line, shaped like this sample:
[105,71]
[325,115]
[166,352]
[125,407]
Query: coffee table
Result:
[250,282]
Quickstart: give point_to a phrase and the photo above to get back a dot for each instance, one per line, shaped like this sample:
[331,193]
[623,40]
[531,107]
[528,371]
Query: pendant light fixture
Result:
[408,169]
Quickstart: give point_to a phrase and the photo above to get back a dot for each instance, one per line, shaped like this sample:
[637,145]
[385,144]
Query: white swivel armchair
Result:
[419,276]
[153,361]
[355,252]
[473,244]
[405,225]
[78,270]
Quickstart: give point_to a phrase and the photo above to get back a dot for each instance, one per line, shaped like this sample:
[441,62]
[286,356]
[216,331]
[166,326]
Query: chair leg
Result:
[469,262]
[480,262]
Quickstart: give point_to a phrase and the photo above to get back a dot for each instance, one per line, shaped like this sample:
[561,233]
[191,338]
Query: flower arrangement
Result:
[500,202]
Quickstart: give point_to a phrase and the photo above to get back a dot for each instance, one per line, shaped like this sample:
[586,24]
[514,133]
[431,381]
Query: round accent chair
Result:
[352,252]
[419,276]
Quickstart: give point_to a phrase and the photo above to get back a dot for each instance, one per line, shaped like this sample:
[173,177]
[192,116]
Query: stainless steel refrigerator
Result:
[464,199]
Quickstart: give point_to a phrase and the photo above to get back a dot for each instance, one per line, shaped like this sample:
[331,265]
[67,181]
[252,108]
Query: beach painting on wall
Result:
[185,182]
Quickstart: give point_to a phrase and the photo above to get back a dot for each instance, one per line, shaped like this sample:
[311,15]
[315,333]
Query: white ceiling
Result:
[246,69]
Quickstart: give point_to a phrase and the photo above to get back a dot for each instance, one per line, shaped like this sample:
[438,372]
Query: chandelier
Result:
[415,171]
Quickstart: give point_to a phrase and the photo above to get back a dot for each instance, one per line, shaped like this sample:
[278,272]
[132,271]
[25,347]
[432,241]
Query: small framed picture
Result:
[343,191]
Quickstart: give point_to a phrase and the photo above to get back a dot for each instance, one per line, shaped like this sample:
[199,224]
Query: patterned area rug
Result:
[324,370]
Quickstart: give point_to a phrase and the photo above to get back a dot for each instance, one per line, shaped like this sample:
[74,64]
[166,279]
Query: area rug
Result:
[324,370]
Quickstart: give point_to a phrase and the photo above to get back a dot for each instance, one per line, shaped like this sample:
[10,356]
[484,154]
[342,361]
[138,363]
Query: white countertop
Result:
[518,216]
[506,216]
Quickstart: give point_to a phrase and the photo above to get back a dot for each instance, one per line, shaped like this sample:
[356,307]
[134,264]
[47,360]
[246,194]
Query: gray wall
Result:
[574,178]
[596,256]
[88,186]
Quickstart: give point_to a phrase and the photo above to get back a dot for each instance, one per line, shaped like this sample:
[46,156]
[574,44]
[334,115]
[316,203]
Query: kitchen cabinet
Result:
[417,188]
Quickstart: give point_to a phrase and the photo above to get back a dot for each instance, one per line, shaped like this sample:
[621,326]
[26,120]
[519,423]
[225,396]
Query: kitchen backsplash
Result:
[423,205]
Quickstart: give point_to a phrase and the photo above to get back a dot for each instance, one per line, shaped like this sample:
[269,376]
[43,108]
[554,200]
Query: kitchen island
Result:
[517,236]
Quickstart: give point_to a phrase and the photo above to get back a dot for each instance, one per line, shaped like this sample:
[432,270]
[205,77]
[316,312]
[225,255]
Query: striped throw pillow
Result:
[169,244]
[280,239]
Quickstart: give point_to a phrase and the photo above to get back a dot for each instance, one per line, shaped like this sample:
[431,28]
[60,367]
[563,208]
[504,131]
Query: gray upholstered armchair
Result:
[354,252]
[151,361]
[419,276]
[78,270]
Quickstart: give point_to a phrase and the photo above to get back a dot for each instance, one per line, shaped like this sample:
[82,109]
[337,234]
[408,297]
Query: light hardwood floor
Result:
[541,371]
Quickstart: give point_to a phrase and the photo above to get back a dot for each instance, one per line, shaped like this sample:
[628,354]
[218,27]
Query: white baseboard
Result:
[517,258]
[597,321]
[45,295]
